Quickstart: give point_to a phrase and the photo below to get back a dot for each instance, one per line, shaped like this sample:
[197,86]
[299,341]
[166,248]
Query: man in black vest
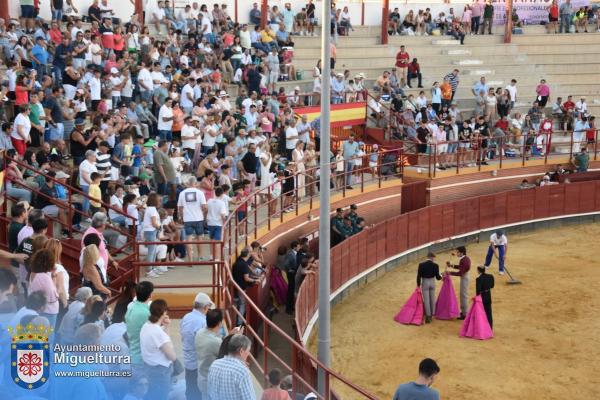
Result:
[427,274]
[483,286]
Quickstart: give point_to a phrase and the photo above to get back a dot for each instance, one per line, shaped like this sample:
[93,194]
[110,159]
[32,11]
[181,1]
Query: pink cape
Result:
[446,306]
[278,286]
[476,325]
[412,311]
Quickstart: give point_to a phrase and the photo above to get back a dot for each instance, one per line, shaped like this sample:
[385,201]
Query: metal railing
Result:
[508,151]
[121,274]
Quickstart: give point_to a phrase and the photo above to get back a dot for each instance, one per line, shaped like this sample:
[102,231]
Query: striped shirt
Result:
[103,165]
[453,80]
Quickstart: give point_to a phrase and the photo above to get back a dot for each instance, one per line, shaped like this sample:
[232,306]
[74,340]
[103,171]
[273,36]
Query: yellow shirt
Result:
[95,195]
[266,36]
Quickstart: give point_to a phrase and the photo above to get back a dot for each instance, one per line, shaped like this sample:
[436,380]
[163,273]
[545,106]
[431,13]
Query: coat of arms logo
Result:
[30,355]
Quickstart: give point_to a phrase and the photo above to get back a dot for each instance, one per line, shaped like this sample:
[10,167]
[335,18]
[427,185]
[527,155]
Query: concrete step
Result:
[301,42]
[559,39]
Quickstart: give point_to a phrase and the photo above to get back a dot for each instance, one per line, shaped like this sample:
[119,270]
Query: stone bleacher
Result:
[569,63]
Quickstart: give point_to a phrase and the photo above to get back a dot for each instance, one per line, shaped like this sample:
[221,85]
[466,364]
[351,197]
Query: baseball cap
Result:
[204,300]
[113,70]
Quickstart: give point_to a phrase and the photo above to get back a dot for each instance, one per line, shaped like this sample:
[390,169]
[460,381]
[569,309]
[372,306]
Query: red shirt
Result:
[554,11]
[55,36]
[569,105]
[402,59]
[21,95]
[119,42]
[502,125]
[413,68]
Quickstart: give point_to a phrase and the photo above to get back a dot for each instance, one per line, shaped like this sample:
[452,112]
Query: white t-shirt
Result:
[189,131]
[185,101]
[290,144]
[513,92]
[165,112]
[152,337]
[133,212]
[206,23]
[157,76]
[88,168]
[59,269]
[145,77]
[93,50]
[24,121]
[217,209]
[147,223]
[498,241]
[192,200]
[95,88]
[115,81]
[117,203]
[209,140]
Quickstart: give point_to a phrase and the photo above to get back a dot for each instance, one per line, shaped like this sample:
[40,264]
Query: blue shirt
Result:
[349,149]
[436,95]
[480,87]
[229,379]
[282,35]
[413,391]
[191,323]
[40,53]
[137,150]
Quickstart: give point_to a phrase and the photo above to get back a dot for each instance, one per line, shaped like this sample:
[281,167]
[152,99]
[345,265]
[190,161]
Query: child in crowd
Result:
[95,193]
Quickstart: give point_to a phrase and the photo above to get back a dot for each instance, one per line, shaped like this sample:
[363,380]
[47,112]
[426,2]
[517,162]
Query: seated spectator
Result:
[283,37]
[74,316]
[255,14]
[414,71]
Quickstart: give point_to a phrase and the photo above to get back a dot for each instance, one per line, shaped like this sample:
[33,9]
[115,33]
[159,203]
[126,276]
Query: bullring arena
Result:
[538,344]
[409,182]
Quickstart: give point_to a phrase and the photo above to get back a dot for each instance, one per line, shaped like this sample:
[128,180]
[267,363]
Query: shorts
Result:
[193,228]
[552,19]
[214,232]
[241,215]
[462,145]
[27,11]
[51,211]
[442,148]
[273,77]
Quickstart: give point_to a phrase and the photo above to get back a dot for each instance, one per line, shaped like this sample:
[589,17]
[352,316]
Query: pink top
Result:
[466,17]
[275,394]
[103,250]
[43,282]
[476,9]
[542,90]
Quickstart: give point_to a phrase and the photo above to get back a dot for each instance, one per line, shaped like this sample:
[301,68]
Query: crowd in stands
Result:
[478,18]
[434,123]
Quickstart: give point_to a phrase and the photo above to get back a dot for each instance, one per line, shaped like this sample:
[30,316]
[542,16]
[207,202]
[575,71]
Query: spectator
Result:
[73,317]
[207,343]
[157,350]
[136,316]
[228,377]
[421,387]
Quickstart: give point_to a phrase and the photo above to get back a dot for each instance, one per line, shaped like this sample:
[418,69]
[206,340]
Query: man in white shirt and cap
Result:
[498,248]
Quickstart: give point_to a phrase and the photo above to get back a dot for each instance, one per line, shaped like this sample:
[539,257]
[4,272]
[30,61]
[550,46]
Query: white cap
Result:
[203,300]
[113,70]
[223,93]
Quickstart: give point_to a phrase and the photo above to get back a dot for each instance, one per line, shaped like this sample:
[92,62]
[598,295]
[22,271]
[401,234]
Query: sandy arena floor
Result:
[546,343]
